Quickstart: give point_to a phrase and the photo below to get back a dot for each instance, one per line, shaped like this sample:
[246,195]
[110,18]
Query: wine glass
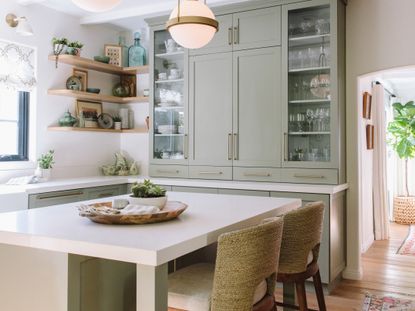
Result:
[310,119]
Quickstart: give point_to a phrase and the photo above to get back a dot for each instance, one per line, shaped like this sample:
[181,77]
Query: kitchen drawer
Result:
[56,197]
[106,191]
[210,172]
[194,189]
[256,174]
[310,176]
[172,171]
[253,193]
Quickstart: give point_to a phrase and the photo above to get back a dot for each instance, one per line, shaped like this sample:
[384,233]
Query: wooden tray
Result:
[172,210]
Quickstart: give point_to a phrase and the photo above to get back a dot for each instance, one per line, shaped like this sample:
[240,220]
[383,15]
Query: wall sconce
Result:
[20,23]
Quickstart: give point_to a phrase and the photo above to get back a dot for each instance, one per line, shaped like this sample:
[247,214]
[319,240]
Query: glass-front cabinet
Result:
[310,101]
[168,118]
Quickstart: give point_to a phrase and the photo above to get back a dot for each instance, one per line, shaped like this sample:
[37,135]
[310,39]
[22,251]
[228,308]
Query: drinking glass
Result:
[310,119]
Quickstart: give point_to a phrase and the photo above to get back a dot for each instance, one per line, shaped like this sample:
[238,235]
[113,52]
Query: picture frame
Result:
[367,105]
[83,76]
[89,107]
[370,137]
[114,52]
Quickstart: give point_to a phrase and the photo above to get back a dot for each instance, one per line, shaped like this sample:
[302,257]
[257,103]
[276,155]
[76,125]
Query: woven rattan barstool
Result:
[243,278]
[300,250]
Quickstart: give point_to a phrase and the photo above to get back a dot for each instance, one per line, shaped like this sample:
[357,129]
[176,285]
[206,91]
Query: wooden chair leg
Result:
[301,296]
[319,291]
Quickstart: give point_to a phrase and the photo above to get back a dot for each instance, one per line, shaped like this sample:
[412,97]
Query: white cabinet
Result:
[210,106]
[257,105]
[245,30]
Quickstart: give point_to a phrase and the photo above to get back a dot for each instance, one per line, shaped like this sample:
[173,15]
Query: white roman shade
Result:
[17,67]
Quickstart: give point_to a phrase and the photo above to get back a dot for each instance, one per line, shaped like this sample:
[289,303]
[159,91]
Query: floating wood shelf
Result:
[90,64]
[98,97]
[87,129]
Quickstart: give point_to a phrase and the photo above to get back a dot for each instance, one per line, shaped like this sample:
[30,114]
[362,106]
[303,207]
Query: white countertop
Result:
[60,228]
[85,182]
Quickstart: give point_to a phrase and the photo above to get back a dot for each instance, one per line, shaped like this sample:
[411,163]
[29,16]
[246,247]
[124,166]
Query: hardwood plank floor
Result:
[384,273]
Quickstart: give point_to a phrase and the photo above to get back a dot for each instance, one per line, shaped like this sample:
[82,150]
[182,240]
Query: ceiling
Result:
[129,14]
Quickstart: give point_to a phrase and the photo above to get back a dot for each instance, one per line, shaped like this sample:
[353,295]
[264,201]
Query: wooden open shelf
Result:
[87,129]
[98,97]
[90,64]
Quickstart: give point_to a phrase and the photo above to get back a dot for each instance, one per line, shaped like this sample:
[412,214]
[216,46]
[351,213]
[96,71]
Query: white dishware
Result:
[171,45]
[162,76]
[167,129]
[124,118]
[175,74]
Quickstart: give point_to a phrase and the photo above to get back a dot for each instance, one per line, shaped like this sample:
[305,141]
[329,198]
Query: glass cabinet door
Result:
[308,136]
[169,119]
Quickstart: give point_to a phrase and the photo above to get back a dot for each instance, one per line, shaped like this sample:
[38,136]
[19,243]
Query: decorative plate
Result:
[105,121]
[74,83]
[320,86]
[103,213]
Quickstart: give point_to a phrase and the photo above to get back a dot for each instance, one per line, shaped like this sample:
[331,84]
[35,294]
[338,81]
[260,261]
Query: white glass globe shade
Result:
[194,35]
[96,5]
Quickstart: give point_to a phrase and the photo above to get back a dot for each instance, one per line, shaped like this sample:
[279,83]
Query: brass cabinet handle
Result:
[186,146]
[168,172]
[230,35]
[257,174]
[285,147]
[60,195]
[230,147]
[236,35]
[310,176]
[236,146]
[210,173]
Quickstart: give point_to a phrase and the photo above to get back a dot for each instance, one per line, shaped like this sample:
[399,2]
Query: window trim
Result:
[23,125]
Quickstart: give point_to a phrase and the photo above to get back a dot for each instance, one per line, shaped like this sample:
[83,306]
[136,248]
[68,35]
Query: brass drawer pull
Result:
[230,35]
[257,174]
[168,172]
[60,195]
[210,173]
[186,146]
[230,147]
[310,176]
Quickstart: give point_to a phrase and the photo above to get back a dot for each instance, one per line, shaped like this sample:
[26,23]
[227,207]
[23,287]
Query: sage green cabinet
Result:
[257,105]
[210,106]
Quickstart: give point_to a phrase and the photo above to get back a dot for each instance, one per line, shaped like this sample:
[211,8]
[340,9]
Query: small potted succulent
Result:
[74,48]
[59,46]
[149,194]
[117,122]
[44,165]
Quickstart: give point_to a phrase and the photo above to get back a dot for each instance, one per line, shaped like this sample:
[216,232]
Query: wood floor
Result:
[384,273]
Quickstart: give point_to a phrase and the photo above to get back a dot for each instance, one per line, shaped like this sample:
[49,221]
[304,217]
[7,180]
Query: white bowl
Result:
[159,202]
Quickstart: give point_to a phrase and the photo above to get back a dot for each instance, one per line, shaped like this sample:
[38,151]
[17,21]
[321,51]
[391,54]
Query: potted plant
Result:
[402,139]
[149,194]
[117,122]
[59,45]
[74,48]
[44,165]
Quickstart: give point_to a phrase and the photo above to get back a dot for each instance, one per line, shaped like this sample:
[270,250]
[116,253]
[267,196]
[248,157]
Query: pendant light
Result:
[96,5]
[192,24]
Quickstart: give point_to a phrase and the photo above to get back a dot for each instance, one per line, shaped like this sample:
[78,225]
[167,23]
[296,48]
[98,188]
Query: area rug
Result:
[408,246]
[378,303]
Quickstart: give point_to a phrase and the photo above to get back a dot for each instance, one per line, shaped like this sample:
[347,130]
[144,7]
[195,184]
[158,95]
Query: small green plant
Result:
[402,134]
[46,160]
[62,41]
[117,118]
[75,45]
[147,190]
[58,46]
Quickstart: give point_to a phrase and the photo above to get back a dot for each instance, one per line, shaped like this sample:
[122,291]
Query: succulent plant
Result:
[147,189]
[117,118]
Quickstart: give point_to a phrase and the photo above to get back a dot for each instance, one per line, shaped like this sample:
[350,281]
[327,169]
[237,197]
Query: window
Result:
[14,116]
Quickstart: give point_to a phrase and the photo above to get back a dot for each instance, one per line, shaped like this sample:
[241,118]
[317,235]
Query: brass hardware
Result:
[230,147]
[235,147]
[210,173]
[186,146]
[235,35]
[230,35]
[285,147]
[181,20]
[12,20]
[310,176]
[257,175]
[60,195]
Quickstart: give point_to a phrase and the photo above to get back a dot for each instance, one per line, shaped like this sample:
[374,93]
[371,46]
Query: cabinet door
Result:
[223,39]
[257,28]
[210,100]
[257,104]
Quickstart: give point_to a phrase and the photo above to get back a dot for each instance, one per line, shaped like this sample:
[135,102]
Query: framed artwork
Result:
[114,52]
[367,105]
[370,137]
[88,109]
[83,76]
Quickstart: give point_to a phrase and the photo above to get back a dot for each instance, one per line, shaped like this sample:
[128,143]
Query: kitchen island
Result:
[61,232]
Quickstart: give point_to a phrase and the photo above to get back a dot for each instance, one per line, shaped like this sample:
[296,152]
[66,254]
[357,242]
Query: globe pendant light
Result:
[96,5]
[192,24]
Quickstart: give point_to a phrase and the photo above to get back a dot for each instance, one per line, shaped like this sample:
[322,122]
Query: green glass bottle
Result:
[136,53]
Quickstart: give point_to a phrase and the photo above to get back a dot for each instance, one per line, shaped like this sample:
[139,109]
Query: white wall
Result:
[77,154]
[379,36]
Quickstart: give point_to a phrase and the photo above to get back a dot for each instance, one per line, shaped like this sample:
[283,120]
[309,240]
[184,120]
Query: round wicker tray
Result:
[172,210]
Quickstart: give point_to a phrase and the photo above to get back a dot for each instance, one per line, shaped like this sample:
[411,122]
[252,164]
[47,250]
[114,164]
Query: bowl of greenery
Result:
[149,194]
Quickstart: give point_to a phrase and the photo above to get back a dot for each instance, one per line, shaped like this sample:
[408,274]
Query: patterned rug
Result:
[408,246]
[378,303]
